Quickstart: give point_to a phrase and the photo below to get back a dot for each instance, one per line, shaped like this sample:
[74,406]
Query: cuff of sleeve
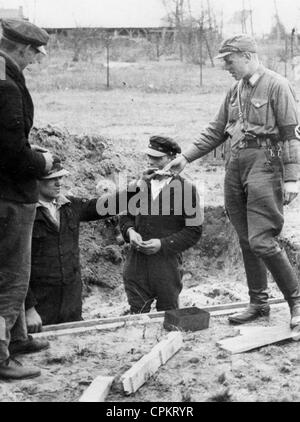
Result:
[192,153]
[291,172]
[48,161]
[125,229]
[30,301]
[165,245]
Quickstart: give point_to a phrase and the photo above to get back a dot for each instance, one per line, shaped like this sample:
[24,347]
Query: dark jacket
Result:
[55,283]
[158,276]
[172,229]
[20,166]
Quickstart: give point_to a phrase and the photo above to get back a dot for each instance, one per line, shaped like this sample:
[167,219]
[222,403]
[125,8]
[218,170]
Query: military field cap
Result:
[26,33]
[56,171]
[161,145]
[237,44]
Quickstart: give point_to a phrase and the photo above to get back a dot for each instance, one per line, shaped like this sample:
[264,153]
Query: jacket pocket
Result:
[258,111]
[233,112]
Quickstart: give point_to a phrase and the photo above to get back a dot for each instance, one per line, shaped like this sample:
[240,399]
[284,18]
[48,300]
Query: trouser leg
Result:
[16,223]
[236,206]
[165,278]
[19,330]
[265,222]
[140,296]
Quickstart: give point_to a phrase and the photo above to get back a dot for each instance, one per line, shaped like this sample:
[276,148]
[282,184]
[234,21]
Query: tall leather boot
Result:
[256,274]
[286,279]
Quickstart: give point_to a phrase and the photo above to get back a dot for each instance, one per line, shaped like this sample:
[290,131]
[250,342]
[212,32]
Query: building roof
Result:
[11,13]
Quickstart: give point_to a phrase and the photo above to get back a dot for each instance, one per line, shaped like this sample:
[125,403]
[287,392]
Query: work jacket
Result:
[20,166]
[55,284]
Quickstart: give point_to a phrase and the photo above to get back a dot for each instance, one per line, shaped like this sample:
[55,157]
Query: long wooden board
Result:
[78,330]
[98,390]
[142,370]
[230,307]
[259,337]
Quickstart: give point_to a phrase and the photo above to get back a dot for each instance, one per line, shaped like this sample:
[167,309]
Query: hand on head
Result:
[176,166]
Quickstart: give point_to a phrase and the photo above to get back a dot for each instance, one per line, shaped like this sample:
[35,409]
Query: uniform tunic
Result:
[262,131]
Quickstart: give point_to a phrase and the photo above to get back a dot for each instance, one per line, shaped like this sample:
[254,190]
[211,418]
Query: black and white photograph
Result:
[149,203]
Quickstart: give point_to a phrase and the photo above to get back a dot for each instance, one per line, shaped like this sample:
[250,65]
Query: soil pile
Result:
[95,161]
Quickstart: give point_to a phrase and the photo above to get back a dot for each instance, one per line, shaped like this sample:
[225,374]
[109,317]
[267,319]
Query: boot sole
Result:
[237,321]
[26,352]
[20,378]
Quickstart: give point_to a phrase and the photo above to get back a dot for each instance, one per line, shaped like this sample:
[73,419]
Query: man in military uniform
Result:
[259,119]
[168,221]
[20,166]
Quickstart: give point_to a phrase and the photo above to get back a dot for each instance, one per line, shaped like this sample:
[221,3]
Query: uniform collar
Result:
[256,75]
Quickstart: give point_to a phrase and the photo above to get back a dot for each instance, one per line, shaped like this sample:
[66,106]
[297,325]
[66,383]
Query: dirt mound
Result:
[94,163]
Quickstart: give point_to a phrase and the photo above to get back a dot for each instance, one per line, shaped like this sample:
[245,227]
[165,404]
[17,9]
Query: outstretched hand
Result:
[176,166]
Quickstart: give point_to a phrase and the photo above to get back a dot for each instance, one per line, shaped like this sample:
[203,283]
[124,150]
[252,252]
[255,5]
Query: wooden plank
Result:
[234,310]
[78,330]
[142,370]
[99,321]
[230,307]
[98,390]
[262,336]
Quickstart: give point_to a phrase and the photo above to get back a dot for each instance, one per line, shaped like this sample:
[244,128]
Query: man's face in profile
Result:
[158,162]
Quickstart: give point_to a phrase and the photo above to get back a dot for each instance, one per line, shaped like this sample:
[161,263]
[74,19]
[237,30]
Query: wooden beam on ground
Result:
[78,330]
[255,338]
[142,370]
[99,321]
[215,310]
[98,390]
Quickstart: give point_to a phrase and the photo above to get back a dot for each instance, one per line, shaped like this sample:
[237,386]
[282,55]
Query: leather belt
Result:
[260,143]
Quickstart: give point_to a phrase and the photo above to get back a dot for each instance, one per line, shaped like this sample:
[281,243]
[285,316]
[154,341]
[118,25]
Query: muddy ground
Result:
[213,274]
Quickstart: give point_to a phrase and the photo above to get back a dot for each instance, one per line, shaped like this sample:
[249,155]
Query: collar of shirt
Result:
[256,76]
[7,56]
[157,185]
[54,206]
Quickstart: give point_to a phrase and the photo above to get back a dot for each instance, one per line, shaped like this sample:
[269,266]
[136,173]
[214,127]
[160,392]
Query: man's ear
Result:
[23,49]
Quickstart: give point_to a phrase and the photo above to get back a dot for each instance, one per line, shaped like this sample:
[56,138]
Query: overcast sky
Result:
[79,12]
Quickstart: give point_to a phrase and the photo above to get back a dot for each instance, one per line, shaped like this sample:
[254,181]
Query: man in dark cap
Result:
[259,119]
[20,166]
[164,222]
[55,287]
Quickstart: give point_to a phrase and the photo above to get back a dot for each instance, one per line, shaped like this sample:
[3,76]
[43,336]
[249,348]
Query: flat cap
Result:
[57,170]
[162,145]
[25,32]
[237,44]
